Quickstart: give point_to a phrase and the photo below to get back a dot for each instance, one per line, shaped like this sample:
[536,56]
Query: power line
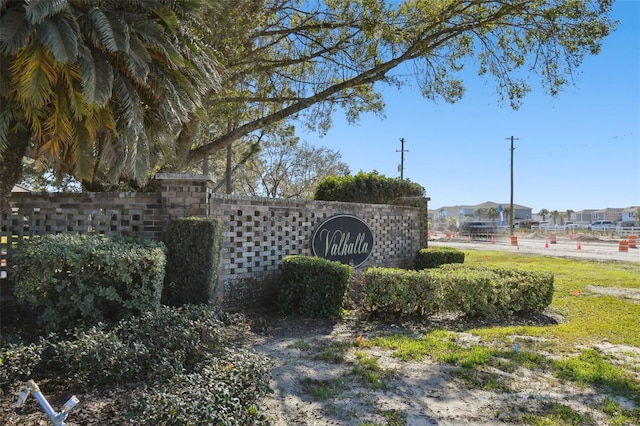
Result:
[511,200]
[402,151]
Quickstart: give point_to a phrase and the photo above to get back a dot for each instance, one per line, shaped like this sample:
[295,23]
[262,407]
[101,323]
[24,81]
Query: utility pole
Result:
[511,202]
[402,151]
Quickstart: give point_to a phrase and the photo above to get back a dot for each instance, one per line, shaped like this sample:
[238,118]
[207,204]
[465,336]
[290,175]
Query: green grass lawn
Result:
[564,350]
[588,317]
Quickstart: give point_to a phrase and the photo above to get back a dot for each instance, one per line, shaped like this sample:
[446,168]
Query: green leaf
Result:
[97,75]
[39,10]
[14,32]
[60,34]
[100,28]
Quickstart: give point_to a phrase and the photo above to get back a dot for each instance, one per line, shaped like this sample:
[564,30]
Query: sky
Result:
[578,150]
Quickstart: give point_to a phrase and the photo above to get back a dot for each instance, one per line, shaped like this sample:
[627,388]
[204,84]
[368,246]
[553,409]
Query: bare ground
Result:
[422,392]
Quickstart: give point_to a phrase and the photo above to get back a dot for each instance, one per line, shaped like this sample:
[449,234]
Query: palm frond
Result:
[156,39]
[71,80]
[39,10]
[97,75]
[60,34]
[138,158]
[99,29]
[3,4]
[58,129]
[143,162]
[120,30]
[8,117]
[126,103]
[179,92]
[137,60]
[5,77]
[34,119]
[15,30]
[33,74]
[115,156]
[168,17]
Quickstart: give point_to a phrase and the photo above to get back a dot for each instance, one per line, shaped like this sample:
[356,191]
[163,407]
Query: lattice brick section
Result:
[258,233]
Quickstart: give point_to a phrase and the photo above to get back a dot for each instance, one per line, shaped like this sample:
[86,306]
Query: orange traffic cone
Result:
[579,246]
[492,240]
[546,243]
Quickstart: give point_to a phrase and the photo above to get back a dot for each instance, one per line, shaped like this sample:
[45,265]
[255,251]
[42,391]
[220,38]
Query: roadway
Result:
[585,249]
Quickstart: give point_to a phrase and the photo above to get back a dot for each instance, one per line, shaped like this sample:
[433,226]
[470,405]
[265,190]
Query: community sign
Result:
[345,238]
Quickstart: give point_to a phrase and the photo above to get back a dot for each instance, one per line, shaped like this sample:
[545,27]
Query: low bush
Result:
[475,291]
[191,374]
[468,291]
[223,391]
[313,287]
[82,279]
[153,346]
[399,292]
[514,290]
[434,257]
[17,362]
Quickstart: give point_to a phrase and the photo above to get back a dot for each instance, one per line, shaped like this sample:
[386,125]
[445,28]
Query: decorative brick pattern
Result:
[257,232]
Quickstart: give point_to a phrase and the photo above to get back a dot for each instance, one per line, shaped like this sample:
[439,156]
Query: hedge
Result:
[313,287]
[193,261]
[84,279]
[433,257]
[475,291]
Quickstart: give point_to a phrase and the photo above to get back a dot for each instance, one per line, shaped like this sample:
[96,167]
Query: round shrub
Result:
[313,287]
[434,257]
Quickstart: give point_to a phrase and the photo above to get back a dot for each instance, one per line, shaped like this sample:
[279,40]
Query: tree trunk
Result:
[11,166]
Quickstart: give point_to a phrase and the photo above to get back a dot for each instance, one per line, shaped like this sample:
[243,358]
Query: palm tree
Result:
[95,89]
[493,213]
[569,213]
[480,213]
[543,213]
[555,214]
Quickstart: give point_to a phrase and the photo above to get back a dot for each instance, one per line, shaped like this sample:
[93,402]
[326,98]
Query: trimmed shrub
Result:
[475,291]
[313,287]
[369,188]
[464,290]
[434,257]
[515,290]
[393,291]
[76,279]
[193,261]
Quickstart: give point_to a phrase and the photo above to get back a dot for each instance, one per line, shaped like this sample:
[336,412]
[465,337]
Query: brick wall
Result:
[257,232]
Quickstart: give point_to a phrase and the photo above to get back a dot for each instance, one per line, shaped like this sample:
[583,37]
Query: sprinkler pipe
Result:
[57,418]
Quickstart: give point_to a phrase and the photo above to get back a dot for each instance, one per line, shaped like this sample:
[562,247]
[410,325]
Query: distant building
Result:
[612,214]
[464,213]
[631,215]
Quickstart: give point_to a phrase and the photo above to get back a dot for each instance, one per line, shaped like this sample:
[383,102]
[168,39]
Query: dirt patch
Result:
[422,392]
[631,294]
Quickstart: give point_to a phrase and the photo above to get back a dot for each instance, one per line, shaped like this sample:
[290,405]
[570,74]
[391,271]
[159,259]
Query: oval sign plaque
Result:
[345,238]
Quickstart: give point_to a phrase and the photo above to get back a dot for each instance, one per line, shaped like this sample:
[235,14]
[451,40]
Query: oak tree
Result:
[281,60]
